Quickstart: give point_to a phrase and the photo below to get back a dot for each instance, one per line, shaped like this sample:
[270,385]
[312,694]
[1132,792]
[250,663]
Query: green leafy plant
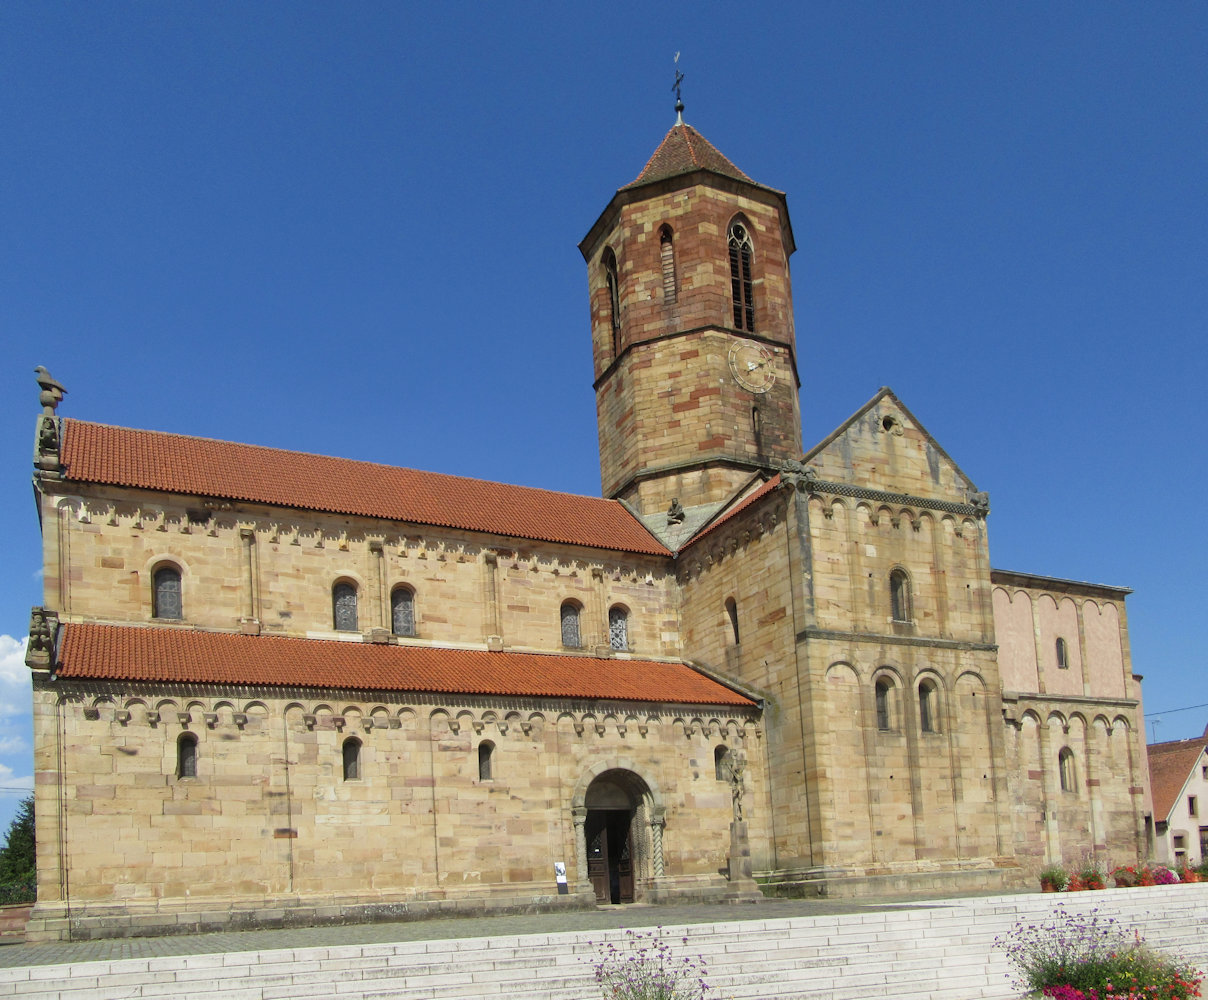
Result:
[1075,956]
[1054,876]
[643,967]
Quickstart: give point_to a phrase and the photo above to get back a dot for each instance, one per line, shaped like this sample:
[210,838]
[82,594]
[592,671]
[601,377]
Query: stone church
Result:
[273,688]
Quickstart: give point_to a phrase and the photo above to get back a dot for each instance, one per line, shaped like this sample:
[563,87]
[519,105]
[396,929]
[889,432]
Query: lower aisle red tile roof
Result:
[175,463]
[170,655]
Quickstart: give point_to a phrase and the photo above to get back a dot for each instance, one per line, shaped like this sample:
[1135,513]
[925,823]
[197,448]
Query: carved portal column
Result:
[657,822]
[580,816]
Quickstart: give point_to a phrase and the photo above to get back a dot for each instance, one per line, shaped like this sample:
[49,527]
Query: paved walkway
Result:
[636,915]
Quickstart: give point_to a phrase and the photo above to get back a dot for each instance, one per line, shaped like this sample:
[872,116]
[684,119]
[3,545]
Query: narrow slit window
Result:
[344,607]
[732,615]
[486,754]
[883,712]
[186,756]
[899,596]
[721,762]
[1065,770]
[166,594]
[928,708]
[742,286]
[402,611]
[667,260]
[352,759]
[618,628]
[1063,655]
[571,636]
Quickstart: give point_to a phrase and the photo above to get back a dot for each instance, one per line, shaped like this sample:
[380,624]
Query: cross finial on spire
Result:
[679,103]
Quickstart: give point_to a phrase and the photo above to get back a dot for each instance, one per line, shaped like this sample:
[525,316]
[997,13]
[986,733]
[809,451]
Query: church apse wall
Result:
[1072,709]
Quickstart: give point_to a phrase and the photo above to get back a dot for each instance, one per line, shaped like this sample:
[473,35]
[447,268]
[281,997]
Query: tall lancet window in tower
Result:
[667,258]
[614,298]
[741,283]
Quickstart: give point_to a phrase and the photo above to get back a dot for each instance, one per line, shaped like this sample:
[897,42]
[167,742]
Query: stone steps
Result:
[942,952]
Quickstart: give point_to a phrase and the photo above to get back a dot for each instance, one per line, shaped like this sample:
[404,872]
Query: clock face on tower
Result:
[751,365]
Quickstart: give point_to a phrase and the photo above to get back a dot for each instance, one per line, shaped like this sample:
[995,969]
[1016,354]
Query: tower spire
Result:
[679,102]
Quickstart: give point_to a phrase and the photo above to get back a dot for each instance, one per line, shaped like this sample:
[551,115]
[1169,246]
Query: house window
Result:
[928,707]
[899,596]
[186,756]
[1192,806]
[614,298]
[884,719]
[402,611]
[1063,655]
[352,759]
[1065,770]
[721,762]
[732,614]
[1204,843]
[344,607]
[486,750]
[571,637]
[741,282]
[667,259]
[166,593]
[618,628]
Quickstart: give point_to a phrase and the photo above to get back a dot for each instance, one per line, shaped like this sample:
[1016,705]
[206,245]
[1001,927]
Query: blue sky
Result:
[351,229]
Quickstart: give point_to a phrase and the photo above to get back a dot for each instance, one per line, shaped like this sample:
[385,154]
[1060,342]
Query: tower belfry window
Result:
[667,259]
[741,282]
[614,298]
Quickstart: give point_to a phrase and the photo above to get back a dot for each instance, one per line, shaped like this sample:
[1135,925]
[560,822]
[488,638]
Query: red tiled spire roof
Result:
[171,655]
[683,150]
[1170,766]
[173,463]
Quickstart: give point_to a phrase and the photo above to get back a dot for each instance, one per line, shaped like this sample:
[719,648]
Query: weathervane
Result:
[679,101]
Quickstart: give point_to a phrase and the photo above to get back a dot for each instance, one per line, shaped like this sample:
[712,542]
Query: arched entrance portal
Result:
[613,838]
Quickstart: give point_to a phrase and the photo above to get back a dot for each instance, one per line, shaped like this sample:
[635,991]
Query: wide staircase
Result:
[929,951]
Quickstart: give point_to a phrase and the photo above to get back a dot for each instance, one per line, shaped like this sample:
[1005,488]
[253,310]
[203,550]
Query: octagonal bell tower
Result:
[692,329]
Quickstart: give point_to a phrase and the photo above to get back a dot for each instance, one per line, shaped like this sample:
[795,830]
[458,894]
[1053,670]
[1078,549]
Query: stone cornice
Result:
[895,640]
[1021,697]
[806,479]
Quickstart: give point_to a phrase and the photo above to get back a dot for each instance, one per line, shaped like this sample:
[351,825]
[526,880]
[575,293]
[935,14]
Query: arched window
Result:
[352,759]
[344,607]
[732,614]
[1063,655]
[884,694]
[721,762]
[166,599]
[486,750]
[667,259]
[929,721]
[1065,770]
[571,637]
[186,756]
[614,297]
[741,282]
[899,595]
[402,611]
[618,628]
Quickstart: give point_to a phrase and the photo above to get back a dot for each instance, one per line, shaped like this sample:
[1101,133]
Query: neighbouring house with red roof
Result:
[275,688]
[1178,777]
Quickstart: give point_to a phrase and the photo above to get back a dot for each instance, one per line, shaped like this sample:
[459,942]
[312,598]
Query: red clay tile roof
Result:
[173,463]
[169,655]
[1170,766]
[747,501]
[683,150]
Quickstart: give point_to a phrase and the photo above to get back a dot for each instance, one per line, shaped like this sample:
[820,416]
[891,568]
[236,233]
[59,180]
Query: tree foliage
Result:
[18,855]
